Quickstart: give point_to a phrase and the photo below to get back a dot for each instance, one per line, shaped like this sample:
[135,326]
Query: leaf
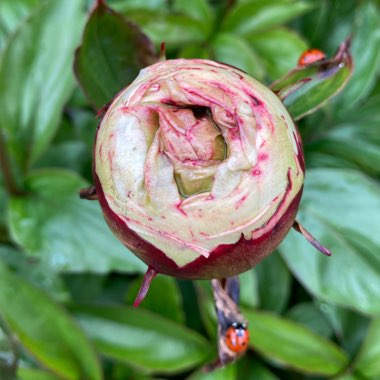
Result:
[207,307]
[197,9]
[350,377]
[12,14]
[24,373]
[306,88]
[307,314]
[175,30]
[278,49]
[252,17]
[274,283]
[367,362]
[249,289]
[356,144]
[340,207]
[142,339]
[366,55]
[194,50]
[112,53]
[293,346]
[40,56]
[226,373]
[235,51]
[67,233]
[350,327]
[249,368]
[7,355]
[328,24]
[45,330]
[163,291]
[131,5]
[3,205]
[34,272]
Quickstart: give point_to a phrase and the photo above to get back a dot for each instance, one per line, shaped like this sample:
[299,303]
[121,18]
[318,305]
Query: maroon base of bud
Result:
[226,260]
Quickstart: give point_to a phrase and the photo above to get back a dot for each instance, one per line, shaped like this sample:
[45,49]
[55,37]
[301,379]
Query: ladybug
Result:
[311,56]
[237,337]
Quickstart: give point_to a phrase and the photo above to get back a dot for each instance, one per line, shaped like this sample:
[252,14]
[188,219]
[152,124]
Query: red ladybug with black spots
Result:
[237,337]
[311,56]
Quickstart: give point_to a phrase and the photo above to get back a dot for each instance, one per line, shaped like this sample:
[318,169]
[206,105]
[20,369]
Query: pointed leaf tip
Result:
[306,88]
[311,239]
[148,277]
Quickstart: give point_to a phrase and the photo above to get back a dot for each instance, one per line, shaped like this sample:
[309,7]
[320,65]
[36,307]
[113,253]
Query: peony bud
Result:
[198,169]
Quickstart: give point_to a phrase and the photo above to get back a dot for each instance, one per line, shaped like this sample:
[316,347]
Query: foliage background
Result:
[66,284]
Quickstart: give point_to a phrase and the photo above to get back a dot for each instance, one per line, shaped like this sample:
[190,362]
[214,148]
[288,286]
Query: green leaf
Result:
[72,155]
[112,53]
[351,377]
[252,17]
[197,9]
[235,51]
[248,368]
[350,327]
[307,88]
[40,56]
[34,271]
[3,206]
[340,207]
[142,339]
[309,315]
[67,233]
[175,30]
[249,289]
[274,283]
[293,346]
[24,373]
[12,14]
[131,5]
[226,373]
[367,362]
[366,55]
[278,49]
[7,355]
[46,330]
[207,307]
[356,144]
[194,50]
[163,298]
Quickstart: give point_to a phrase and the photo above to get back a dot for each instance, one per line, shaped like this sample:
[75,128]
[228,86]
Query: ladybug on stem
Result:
[237,337]
[233,335]
[311,56]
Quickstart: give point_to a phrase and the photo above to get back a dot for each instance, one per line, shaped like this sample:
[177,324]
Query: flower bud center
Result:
[194,144]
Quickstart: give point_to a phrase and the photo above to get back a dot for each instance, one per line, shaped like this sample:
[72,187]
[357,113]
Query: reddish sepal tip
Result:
[148,277]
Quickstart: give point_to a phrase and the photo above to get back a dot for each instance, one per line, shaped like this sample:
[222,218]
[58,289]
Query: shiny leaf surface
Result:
[274,283]
[247,18]
[46,330]
[367,362]
[341,208]
[278,49]
[112,53]
[142,339]
[235,51]
[67,233]
[292,345]
[40,56]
